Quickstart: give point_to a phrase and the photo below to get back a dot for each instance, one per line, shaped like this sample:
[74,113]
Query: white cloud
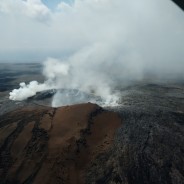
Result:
[144,34]
[32,8]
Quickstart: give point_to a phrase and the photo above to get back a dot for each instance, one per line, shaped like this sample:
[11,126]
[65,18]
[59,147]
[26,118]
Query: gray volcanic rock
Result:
[43,95]
[149,146]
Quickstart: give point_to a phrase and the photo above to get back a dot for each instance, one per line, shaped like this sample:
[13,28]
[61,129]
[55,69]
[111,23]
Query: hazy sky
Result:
[25,27]
[32,30]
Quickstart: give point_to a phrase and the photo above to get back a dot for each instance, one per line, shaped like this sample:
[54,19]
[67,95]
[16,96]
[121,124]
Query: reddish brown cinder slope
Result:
[60,144]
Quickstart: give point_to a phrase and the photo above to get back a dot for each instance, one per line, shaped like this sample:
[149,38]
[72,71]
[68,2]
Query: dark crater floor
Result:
[141,141]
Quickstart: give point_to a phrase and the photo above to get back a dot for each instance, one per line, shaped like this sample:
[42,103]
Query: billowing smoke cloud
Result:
[112,43]
[75,81]
[26,91]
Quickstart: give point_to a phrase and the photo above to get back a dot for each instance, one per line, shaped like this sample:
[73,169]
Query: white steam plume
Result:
[71,75]
[112,42]
[26,91]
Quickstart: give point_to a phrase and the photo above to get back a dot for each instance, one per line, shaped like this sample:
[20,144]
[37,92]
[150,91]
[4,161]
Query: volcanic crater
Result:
[140,141]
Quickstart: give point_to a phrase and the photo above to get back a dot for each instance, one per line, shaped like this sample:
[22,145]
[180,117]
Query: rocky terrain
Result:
[139,141]
[149,146]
